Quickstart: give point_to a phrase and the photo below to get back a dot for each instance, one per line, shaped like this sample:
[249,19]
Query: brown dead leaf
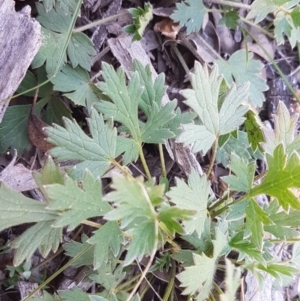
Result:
[168,28]
[35,130]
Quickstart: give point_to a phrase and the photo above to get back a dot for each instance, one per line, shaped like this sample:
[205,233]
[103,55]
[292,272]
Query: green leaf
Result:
[76,204]
[133,204]
[192,196]
[48,4]
[72,143]
[238,145]
[261,8]
[30,81]
[46,296]
[74,248]
[230,19]
[193,278]
[124,107]
[56,110]
[156,130]
[141,18]
[295,15]
[255,219]
[246,247]
[41,236]
[279,269]
[125,99]
[169,218]
[109,277]
[142,242]
[57,29]
[241,68]
[153,91]
[130,199]
[203,99]
[108,238]
[129,148]
[191,14]
[284,131]
[80,51]
[13,129]
[244,174]
[51,174]
[232,282]
[253,127]
[283,175]
[281,232]
[78,295]
[17,209]
[77,83]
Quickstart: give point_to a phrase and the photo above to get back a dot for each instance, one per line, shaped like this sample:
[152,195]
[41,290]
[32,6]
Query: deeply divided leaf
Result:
[72,143]
[204,100]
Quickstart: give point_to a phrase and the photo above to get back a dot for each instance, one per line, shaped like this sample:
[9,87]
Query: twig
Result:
[100,22]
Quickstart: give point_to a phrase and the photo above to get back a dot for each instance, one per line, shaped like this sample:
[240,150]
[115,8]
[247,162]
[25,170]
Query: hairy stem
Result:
[170,286]
[144,163]
[213,157]
[162,160]
[90,223]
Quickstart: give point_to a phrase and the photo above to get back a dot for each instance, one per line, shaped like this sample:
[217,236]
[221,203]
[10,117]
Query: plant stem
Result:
[122,168]
[220,211]
[230,3]
[257,27]
[213,157]
[275,66]
[126,283]
[218,289]
[170,286]
[286,240]
[233,193]
[162,160]
[144,163]
[70,262]
[92,224]
[100,22]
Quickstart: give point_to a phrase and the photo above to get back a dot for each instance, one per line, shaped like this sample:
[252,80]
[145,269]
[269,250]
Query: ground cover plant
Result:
[184,234]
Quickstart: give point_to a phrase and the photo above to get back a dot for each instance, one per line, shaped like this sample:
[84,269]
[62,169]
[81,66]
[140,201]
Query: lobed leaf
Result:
[204,100]
[192,196]
[76,82]
[191,14]
[241,69]
[95,153]
[76,204]
[193,278]
[108,239]
[283,175]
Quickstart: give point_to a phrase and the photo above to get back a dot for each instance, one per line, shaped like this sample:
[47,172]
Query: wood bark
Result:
[20,40]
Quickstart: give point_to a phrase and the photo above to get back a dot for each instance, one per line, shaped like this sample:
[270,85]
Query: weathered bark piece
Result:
[17,176]
[20,40]
[126,51]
